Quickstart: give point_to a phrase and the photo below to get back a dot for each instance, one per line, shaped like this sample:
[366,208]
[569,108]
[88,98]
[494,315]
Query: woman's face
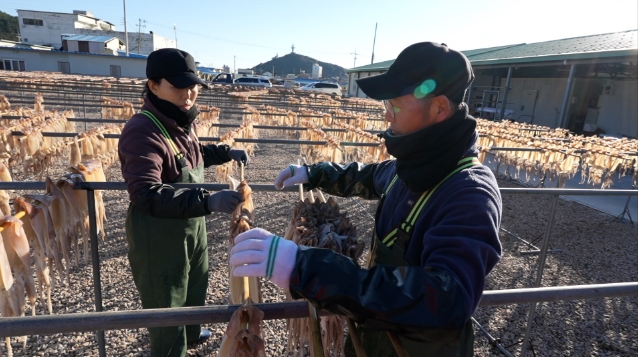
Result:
[184,98]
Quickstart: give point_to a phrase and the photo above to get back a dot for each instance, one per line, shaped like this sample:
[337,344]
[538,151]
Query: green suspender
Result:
[162,129]
[409,222]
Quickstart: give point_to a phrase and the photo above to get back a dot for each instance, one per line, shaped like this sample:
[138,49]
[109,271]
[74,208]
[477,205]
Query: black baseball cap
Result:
[421,69]
[176,66]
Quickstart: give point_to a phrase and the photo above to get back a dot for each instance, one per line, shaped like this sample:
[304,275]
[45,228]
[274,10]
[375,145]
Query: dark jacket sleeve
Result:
[354,179]
[214,154]
[142,154]
[164,201]
[405,299]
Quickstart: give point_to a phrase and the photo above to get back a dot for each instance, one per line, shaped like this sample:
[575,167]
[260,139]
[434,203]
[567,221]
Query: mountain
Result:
[292,63]
[9,27]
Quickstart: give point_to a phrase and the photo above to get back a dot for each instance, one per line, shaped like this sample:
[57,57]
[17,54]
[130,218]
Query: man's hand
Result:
[224,201]
[258,252]
[291,175]
[238,155]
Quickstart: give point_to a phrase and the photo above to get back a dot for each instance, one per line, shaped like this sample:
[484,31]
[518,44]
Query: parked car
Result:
[323,87]
[253,81]
[222,78]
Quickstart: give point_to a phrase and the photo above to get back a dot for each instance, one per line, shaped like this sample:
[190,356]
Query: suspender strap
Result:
[179,155]
[394,179]
[410,221]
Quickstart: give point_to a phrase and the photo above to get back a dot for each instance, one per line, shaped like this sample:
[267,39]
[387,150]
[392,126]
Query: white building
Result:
[48,28]
[316,71]
[93,44]
[31,59]
[584,84]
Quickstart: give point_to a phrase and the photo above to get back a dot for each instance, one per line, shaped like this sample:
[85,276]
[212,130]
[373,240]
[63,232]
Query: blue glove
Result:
[224,201]
[258,252]
[238,155]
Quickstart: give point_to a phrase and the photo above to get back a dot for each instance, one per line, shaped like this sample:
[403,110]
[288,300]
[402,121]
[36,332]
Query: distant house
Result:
[584,84]
[49,28]
[92,44]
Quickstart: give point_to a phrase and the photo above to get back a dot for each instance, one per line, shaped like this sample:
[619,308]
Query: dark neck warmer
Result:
[183,118]
[426,156]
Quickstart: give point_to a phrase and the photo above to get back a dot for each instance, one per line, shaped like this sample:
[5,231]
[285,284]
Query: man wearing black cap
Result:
[165,227]
[436,226]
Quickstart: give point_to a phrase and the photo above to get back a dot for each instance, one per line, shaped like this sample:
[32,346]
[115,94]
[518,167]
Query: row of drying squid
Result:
[34,79]
[558,155]
[117,109]
[316,223]
[53,225]
[36,153]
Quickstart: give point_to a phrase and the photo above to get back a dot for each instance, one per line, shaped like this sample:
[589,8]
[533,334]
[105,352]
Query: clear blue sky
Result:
[330,31]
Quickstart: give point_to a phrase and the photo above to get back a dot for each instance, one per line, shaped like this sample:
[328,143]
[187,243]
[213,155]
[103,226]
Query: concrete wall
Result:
[87,64]
[162,42]
[618,113]
[353,88]
[550,92]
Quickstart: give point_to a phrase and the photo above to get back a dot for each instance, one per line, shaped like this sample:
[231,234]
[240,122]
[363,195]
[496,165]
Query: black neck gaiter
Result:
[426,156]
[183,118]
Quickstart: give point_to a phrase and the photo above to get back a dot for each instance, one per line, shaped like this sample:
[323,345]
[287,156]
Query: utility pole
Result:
[139,34]
[125,30]
[175,29]
[374,42]
[355,58]
[234,67]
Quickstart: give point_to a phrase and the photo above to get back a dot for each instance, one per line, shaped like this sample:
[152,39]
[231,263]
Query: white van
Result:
[323,87]
[253,81]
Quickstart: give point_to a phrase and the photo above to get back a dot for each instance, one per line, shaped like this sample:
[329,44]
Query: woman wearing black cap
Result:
[165,227]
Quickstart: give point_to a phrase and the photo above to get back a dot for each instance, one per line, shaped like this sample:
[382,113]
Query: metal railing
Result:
[523,294]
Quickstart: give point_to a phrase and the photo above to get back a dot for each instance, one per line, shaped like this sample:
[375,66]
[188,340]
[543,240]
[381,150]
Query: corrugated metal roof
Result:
[609,45]
[89,38]
[542,51]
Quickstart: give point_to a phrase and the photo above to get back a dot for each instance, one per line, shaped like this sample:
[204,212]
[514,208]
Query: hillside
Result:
[293,63]
[8,27]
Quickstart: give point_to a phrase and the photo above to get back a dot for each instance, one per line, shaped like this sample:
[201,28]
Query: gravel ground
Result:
[596,249]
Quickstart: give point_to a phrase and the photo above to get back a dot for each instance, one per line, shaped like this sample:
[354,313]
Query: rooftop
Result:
[617,44]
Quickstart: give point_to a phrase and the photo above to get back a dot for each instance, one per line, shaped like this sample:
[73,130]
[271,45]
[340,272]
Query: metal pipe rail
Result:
[271,188]
[115,320]
[205,138]
[203,98]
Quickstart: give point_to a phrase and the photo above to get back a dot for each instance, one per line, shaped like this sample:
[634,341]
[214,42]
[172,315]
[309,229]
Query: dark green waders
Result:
[390,251]
[169,261]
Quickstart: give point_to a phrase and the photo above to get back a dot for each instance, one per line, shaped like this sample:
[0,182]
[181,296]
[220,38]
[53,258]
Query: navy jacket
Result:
[453,248]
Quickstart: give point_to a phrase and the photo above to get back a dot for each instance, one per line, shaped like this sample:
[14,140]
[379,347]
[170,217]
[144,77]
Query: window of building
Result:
[116,71]
[35,22]
[64,67]
[12,65]
[83,46]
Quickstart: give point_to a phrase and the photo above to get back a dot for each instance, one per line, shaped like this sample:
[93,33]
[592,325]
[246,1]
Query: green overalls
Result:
[169,261]
[390,251]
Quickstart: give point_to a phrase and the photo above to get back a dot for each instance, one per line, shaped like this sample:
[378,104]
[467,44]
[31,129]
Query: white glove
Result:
[291,175]
[258,252]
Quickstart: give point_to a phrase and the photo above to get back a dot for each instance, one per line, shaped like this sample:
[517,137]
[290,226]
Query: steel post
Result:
[95,259]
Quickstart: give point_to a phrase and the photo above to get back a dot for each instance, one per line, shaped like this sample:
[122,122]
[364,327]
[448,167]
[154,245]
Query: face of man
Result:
[408,114]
